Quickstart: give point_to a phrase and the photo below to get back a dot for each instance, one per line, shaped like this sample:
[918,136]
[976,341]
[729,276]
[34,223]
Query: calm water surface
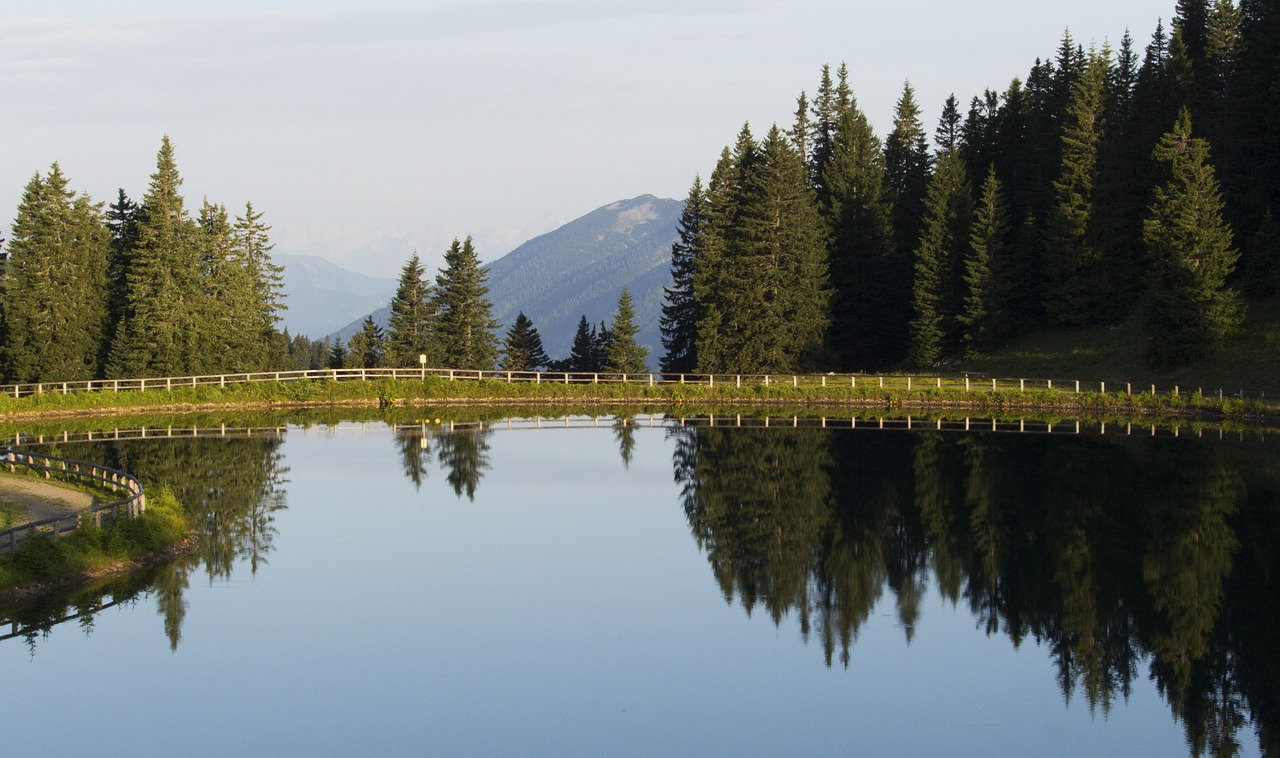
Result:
[649,591]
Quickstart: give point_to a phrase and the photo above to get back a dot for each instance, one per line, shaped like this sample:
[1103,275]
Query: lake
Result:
[650,589]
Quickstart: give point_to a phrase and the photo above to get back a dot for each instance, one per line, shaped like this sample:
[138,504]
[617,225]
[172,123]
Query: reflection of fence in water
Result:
[66,470]
[145,433]
[907,423]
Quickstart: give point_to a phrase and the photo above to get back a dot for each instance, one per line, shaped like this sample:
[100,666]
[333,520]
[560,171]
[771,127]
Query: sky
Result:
[367,130]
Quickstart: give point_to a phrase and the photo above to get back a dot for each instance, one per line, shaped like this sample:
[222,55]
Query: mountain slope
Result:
[581,269]
[322,297]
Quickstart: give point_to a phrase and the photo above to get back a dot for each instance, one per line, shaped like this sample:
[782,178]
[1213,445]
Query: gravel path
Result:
[41,500]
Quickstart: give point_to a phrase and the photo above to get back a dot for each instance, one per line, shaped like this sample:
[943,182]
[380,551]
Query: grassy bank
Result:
[435,391]
[1251,360]
[42,561]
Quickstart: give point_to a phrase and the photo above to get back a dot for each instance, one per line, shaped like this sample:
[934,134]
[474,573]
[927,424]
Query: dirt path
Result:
[41,500]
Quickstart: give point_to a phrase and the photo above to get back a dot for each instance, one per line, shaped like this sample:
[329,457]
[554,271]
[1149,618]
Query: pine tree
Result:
[936,292]
[522,349]
[947,136]
[906,170]
[253,247]
[463,335]
[1079,286]
[122,221]
[984,315]
[231,339]
[870,281]
[623,354]
[409,325]
[55,284]
[159,333]
[583,354]
[366,347]
[762,290]
[679,320]
[1191,311]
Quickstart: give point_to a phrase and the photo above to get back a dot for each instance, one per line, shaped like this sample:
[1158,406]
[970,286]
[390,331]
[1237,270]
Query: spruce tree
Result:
[159,332]
[522,349]
[906,170]
[1079,290]
[583,354]
[231,338]
[936,292]
[679,320]
[253,248]
[55,284]
[764,278]
[1191,311]
[870,281]
[463,336]
[366,347]
[947,136]
[409,325]
[623,354]
[984,315]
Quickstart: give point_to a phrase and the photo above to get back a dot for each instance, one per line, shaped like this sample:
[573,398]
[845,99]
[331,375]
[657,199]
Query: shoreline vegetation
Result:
[888,392]
[43,564]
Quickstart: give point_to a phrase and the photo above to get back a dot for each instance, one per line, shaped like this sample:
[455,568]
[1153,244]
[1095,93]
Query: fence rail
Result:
[64,469]
[970,383]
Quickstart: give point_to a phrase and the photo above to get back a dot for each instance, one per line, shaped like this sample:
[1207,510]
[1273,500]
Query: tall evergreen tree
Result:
[947,136]
[231,338]
[1191,311]
[623,354]
[366,347]
[584,355]
[522,349]
[906,171]
[679,320]
[870,281]
[984,316]
[764,280]
[464,335]
[1079,286]
[55,284]
[122,221]
[936,293]
[253,248]
[409,325]
[159,333]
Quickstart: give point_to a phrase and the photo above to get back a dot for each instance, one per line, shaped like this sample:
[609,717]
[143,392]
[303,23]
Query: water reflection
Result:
[1112,553]
[1124,557]
[231,487]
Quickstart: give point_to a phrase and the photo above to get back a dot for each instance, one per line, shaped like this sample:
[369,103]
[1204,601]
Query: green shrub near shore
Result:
[42,558]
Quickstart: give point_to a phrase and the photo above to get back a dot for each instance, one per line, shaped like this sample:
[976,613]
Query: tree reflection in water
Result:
[1110,552]
[231,488]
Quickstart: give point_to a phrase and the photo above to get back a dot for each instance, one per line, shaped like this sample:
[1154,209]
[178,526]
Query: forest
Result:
[1107,183]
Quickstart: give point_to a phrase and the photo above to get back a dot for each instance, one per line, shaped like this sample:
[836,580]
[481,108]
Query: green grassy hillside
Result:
[1114,353]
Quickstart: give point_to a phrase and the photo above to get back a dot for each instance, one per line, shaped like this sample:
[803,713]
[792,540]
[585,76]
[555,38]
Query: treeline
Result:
[135,289]
[1108,182]
[449,324]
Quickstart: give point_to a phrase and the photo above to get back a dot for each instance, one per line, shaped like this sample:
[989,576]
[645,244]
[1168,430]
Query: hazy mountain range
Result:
[555,279]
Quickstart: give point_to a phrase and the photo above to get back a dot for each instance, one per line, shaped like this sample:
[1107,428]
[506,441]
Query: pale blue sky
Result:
[365,130]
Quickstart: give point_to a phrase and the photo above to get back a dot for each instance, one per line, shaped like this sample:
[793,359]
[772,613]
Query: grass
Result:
[42,558]
[10,513]
[1114,352]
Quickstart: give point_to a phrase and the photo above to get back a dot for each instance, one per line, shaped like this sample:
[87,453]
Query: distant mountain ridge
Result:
[322,296]
[581,269]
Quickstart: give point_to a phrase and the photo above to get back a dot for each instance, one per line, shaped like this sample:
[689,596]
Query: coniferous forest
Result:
[1110,184]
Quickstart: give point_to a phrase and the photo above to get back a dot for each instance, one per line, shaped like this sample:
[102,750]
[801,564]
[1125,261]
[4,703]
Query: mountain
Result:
[322,297]
[581,269]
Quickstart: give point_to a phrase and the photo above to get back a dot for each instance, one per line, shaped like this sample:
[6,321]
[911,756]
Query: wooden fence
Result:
[887,382]
[62,469]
